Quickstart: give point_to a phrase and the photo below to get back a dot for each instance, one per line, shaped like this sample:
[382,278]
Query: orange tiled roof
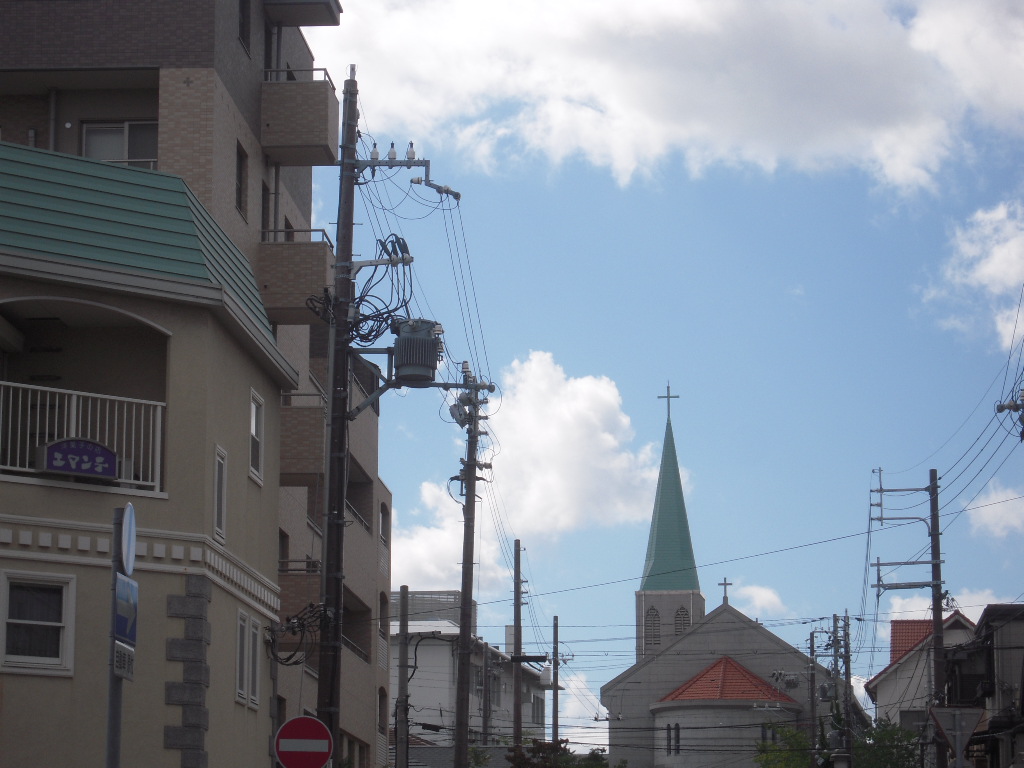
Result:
[726,679]
[905,634]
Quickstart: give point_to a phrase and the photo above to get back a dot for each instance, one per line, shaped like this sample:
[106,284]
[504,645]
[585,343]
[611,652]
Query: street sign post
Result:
[303,742]
[956,724]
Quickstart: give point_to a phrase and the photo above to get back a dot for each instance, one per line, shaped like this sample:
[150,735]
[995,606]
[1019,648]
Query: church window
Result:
[682,619]
[676,734]
[652,627]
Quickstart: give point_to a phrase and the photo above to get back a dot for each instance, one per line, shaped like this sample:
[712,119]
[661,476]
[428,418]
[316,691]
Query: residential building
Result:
[224,96]
[433,654]
[984,669]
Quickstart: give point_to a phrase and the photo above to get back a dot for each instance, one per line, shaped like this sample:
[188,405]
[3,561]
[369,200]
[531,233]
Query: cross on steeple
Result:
[668,397]
[725,584]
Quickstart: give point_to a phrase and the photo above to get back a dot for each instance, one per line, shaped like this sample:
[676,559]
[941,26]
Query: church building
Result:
[706,688]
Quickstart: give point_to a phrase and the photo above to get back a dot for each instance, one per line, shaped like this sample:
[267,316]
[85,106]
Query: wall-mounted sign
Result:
[76,456]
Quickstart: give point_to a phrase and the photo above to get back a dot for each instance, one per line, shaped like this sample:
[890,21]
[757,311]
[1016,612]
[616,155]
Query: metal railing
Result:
[298,76]
[33,416]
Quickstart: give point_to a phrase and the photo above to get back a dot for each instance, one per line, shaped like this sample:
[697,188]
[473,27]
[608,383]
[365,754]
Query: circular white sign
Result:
[128,539]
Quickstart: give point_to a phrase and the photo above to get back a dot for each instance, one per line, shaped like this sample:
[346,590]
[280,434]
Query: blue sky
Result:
[806,215]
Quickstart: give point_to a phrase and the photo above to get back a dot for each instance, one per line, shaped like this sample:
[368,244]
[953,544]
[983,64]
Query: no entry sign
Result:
[303,742]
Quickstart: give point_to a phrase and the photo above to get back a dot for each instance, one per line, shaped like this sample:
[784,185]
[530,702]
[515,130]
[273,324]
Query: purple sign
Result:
[79,457]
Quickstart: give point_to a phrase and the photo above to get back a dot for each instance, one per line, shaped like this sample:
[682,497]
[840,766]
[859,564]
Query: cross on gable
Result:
[725,584]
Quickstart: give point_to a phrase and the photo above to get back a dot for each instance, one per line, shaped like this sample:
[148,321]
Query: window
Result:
[244,23]
[220,493]
[682,620]
[283,551]
[132,143]
[247,664]
[537,710]
[241,180]
[652,627]
[38,629]
[256,436]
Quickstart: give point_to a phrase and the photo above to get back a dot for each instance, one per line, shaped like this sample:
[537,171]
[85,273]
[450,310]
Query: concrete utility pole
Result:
[938,668]
[812,708]
[517,652]
[554,684]
[328,704]
[402,701]
[472,401]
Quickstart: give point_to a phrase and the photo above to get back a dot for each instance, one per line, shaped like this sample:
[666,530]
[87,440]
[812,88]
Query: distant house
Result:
[433,638]
[984,671]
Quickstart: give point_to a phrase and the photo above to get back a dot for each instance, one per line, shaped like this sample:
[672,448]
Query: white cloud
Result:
[759,602]
[810,83]
[985,272]
[562,462]
[971,602]
[998,511]
[563,456]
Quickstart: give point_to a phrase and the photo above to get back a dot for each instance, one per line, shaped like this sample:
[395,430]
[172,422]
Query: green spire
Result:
[670,565]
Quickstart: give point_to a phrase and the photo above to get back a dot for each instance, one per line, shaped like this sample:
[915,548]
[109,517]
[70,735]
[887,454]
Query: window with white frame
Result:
[129,142]
[247,663]
[256,436]
[220,493]
[38,622]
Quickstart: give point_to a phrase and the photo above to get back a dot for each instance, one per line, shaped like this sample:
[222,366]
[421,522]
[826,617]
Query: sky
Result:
[805,216]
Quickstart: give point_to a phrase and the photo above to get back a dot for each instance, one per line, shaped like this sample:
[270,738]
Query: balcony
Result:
[303,13]
[303,436]
[32,417]
[299,117]
[288,273]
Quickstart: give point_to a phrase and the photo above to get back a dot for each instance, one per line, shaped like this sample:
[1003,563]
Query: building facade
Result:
[224,96]
[984,670]
[433,653]
[706,688]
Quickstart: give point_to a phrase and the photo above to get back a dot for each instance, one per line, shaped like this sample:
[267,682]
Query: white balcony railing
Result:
[32,416]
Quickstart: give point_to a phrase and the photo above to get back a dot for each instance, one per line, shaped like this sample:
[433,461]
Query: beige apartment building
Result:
[156,254]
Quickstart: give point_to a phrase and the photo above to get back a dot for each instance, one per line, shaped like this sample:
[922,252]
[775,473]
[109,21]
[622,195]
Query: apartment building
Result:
[187,132]
[433,639]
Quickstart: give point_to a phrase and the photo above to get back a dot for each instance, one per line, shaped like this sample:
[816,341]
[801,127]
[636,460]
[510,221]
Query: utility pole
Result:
[472,401]
[402,701]
[554,685]
[328,704]
[517,652]
[485,724]
[848,688]
[938,668]
[812,708]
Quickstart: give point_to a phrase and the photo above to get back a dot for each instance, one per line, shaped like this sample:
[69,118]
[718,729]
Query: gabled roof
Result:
[670,564]
[904,634]
[901,640]
[727,679]
[85,222]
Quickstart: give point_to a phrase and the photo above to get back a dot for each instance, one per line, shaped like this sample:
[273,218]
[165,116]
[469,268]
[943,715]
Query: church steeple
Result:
[670,564]
[669,598]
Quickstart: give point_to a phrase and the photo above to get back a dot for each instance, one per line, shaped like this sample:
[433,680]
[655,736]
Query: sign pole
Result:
[113,681]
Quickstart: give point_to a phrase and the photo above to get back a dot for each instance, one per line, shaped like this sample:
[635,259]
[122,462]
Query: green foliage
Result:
[791,749]
[478,758]
[882,745]
[886,745]
[546,754]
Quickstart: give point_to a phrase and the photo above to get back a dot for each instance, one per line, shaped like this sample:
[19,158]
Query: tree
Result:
[886,745]
[546,754]
[790,749]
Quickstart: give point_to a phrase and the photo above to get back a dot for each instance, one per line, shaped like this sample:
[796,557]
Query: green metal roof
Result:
[670,565]
[101,216]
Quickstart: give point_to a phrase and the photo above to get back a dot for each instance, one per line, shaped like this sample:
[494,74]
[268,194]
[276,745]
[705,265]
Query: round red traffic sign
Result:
[303,742]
